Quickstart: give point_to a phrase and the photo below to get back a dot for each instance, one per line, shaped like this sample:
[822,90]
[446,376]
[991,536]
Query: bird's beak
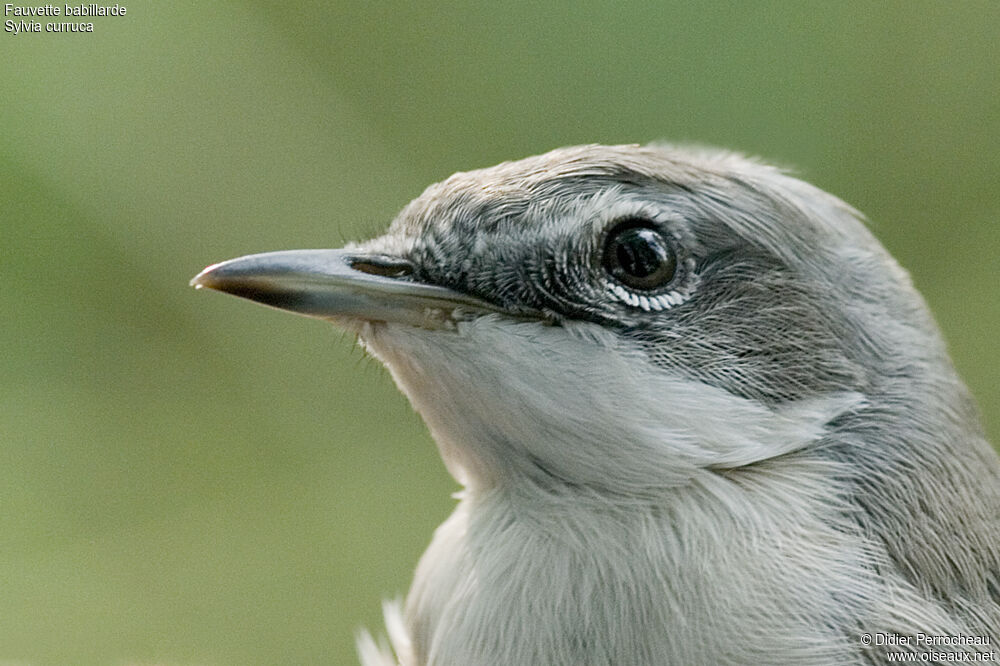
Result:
[339,286]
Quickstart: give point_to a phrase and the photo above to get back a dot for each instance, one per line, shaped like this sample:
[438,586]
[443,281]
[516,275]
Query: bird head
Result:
[621,320]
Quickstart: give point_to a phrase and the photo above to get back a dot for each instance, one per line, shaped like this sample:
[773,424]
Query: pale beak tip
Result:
[202,279]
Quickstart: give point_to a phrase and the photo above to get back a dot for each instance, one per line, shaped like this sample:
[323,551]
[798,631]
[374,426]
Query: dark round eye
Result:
[639,257]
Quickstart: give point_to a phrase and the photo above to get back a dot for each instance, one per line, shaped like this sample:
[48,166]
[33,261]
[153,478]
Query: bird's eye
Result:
[639,256]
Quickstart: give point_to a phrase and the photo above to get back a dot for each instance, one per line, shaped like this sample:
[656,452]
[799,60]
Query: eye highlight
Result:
[638,256]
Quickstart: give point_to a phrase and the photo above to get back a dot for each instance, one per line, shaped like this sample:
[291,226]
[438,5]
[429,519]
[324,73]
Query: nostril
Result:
[390,267]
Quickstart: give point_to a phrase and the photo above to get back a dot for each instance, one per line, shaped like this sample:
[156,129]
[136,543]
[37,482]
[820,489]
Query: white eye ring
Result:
[646,302]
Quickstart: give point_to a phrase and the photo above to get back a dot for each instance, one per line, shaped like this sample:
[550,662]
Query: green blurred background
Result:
[188,479]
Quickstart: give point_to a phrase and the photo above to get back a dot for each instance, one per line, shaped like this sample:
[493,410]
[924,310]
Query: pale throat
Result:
[503,398]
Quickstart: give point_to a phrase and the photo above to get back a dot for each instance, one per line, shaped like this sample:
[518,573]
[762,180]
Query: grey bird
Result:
[699,414]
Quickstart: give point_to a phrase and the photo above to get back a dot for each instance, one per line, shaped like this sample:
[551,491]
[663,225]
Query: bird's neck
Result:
[519,576]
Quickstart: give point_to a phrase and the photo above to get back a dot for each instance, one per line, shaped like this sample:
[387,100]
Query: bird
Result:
[698,413]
